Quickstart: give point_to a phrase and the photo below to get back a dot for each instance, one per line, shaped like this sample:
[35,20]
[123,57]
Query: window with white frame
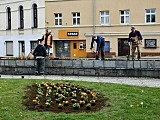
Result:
[35,16]
[58,19]
[8,18]
[21,17]
[104,17]
[124,16]
[9,48]
[76,18]
[150,15]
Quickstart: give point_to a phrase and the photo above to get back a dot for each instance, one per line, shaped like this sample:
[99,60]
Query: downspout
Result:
[93,15]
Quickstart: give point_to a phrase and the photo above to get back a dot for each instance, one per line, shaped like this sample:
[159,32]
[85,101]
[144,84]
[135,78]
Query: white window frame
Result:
[126,16]
[151,13]
[9,48]
[76,18]
[58,19]
[104,17]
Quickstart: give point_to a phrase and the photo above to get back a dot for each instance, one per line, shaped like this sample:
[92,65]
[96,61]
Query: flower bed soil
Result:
[73,94]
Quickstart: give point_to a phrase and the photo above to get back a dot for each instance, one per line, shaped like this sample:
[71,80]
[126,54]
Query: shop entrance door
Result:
[78,48]
[123,47]
[62,48]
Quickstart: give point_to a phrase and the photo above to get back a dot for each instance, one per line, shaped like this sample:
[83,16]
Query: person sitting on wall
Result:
[100,45]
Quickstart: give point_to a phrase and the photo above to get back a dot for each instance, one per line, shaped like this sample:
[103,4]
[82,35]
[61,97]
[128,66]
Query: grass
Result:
[127,102]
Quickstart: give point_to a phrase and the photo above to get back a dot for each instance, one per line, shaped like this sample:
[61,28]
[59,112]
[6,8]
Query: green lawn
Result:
[127,102]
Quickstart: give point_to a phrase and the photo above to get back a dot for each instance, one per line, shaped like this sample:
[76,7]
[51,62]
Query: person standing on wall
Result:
[48,41]
[135,38]
[40,53]
[100,46]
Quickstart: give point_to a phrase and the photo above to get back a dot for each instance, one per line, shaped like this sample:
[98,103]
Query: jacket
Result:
[100,42]
[40,51]
[48,40]
[134,34]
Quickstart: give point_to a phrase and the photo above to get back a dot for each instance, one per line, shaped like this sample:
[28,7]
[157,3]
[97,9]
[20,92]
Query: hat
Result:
[94,36]
[132,27]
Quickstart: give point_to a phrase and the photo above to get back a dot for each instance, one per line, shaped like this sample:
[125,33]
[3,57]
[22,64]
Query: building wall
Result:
[90,20]
[14,34]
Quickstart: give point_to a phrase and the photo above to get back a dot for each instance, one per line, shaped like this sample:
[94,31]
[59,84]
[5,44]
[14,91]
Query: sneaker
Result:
[36,72]
[41,73]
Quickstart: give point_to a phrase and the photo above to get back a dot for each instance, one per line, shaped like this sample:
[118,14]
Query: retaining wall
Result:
[110,68]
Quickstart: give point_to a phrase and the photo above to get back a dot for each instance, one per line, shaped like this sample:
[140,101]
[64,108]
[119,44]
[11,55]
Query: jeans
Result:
[101,51]
[48,50]
[40,65]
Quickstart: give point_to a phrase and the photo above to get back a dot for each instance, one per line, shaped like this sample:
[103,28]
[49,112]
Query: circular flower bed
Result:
[62,97]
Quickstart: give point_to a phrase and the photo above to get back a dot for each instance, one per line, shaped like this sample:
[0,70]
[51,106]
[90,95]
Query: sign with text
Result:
[72,33]
[68,34]
[150,43]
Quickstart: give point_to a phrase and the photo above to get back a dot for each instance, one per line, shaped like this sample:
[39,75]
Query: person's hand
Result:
[129,43]
[141,42]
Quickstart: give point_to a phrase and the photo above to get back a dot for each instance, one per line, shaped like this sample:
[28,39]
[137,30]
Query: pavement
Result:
[149,82]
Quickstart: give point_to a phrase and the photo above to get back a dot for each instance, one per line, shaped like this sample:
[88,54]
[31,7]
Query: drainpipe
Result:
[93,15]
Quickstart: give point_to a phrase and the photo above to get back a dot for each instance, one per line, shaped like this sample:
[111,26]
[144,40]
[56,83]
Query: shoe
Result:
[36,72]
[41,73]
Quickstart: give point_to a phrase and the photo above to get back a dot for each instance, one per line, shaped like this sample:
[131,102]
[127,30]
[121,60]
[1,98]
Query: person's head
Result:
[132,28]
[94,36]
[46,30]
[49,31]
[41,41]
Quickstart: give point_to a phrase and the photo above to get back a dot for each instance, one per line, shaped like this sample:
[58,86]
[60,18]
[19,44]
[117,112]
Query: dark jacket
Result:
[100,42]
[40,51]
[134,34]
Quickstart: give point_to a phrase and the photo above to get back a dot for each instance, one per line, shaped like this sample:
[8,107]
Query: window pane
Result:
[78,14]
[152,11]
[122,12]
[147,11]
[147,18]
[74,21]
[102,20]
[122,19]
[78,21]
[127,19]
[56,21]
[9,48]
[56,15]
[102,13]
[153,18]
[60,21]
[74,14]
[127,12]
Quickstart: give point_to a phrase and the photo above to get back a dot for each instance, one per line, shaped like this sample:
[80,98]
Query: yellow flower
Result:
[131,105]
[34,101]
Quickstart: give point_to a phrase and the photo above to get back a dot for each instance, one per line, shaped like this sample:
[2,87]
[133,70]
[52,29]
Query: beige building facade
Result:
[73,22]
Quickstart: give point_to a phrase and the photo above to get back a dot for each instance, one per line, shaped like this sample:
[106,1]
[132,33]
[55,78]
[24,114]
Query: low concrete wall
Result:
[110,68]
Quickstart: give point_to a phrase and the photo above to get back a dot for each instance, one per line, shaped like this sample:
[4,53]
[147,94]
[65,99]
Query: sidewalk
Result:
[150,82]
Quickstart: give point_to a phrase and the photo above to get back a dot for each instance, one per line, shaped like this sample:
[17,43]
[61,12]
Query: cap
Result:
[132,27]
[94,36]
